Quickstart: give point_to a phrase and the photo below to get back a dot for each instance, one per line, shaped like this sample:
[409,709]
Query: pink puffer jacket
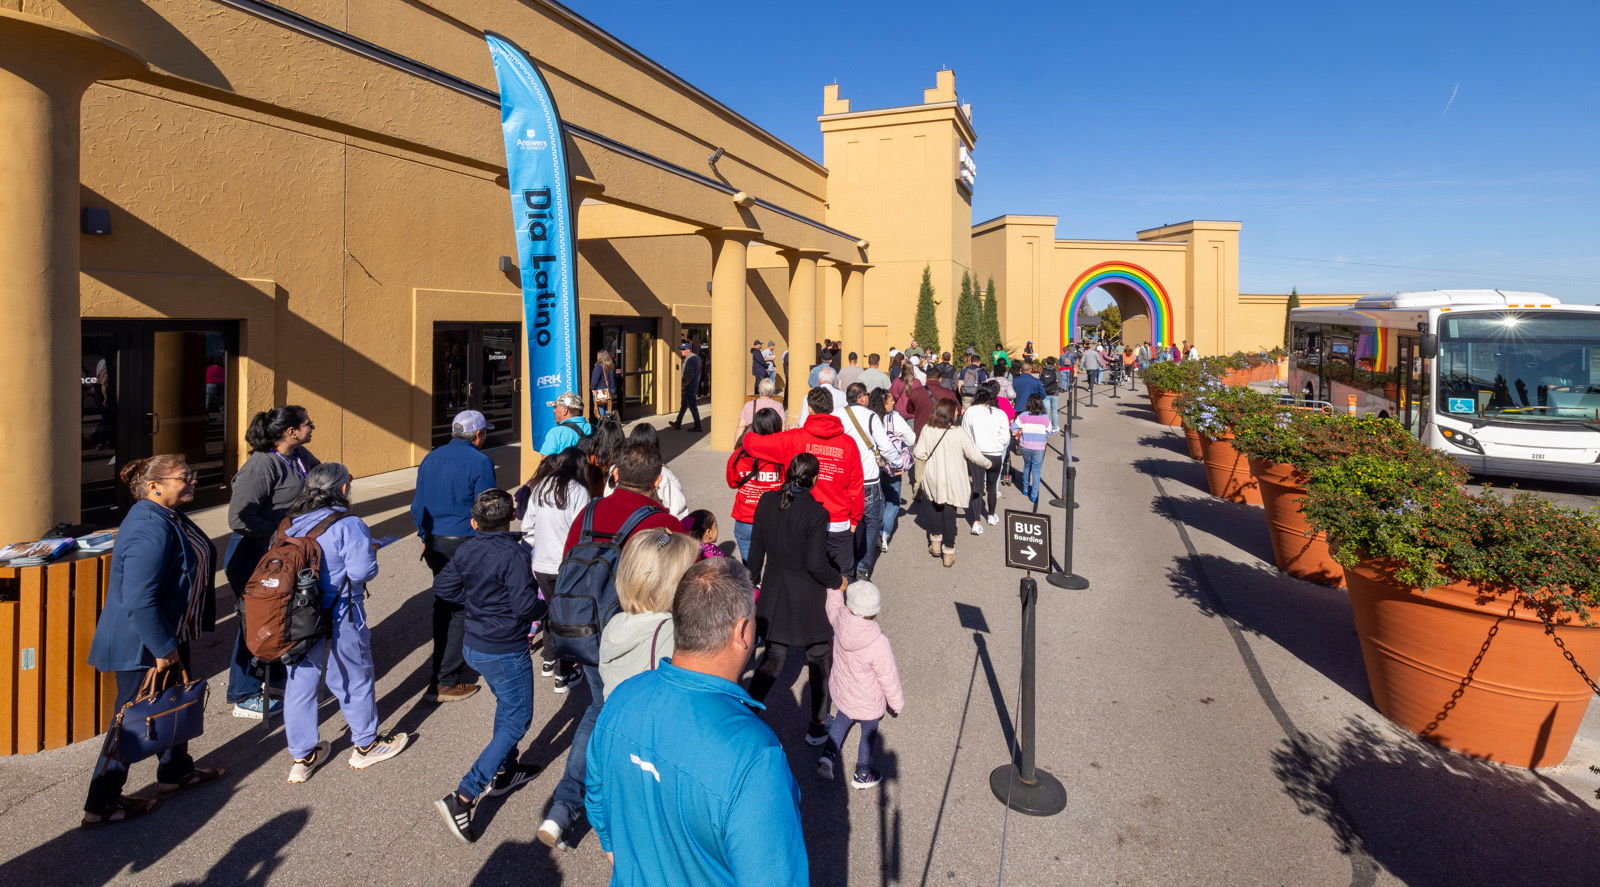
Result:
[865,679]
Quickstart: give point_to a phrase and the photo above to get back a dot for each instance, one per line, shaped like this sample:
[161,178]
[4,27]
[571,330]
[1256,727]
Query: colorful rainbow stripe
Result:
[1381,340]
[1154,294]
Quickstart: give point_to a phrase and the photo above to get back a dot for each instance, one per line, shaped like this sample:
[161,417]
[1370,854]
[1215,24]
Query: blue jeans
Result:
[891,502]
[1051,404]
[741,535]
[867,532]
[1032,465]
[510,679]
[344,661]
[567,801]
[839,729]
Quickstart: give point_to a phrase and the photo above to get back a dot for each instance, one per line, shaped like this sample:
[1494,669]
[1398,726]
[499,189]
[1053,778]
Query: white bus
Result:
[1507,383]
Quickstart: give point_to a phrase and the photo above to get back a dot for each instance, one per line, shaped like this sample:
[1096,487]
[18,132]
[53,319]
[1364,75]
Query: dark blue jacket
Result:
[147,591]
[491,574]
[1025,384]
[448,480]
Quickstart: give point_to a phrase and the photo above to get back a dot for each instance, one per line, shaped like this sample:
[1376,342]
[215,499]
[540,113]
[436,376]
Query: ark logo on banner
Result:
[541,206]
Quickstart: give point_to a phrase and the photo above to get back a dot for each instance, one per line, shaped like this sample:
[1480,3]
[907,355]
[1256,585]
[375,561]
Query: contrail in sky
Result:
[1452,100]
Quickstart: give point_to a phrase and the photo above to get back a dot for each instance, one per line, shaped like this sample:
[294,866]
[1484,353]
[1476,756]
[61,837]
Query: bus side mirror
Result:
[1430,345]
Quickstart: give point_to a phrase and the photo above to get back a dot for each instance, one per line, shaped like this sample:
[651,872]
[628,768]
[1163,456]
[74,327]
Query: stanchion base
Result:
[1071,581]
[1045,796]
[1061,503]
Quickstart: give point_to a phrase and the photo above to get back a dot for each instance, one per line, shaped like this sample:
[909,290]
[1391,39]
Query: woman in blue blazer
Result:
[160,595]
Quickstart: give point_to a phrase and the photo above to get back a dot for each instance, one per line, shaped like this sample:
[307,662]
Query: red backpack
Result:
[281,606]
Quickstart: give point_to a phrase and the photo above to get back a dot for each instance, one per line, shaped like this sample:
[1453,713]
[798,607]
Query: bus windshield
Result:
[1523,366]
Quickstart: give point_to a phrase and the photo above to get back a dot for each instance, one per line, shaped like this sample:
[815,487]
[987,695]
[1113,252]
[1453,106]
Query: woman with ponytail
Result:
[261,494]
[344,658]
[789,562]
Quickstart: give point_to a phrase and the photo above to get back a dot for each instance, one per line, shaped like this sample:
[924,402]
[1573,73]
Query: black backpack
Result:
[1048,378]
[585,596]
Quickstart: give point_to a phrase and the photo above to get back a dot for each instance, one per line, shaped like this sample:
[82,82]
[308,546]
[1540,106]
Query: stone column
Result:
[852,315]
[45,68]
[802,333]
[730,361]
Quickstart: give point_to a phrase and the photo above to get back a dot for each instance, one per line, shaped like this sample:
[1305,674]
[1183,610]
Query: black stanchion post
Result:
[1069,482]
[1115,380]
[1018,784]
[1090,380]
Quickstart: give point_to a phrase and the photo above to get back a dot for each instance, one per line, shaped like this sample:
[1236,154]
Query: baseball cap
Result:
[863,599]
[469,422]
[567,399]
[683,346]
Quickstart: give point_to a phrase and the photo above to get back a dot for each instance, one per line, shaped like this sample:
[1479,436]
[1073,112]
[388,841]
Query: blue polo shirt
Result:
[448,480]
[687,786]
[1025,384]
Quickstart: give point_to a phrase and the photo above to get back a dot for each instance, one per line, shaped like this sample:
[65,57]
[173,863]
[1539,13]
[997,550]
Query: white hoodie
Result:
[989,429]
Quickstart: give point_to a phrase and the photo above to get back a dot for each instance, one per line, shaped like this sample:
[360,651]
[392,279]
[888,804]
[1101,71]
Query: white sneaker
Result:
[549,834]
[382,749]
[977,528]
[883,544]
[302,768]
[994,519]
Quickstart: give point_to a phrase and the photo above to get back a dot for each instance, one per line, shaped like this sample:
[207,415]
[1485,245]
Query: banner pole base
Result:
[1044,796]
[1070,581]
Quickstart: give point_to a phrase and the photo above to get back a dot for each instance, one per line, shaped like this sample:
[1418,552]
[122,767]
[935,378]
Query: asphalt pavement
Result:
[1208,716]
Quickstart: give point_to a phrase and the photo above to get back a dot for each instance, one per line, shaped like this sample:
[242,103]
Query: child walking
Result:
[491,576]
[701,526]
[865,682]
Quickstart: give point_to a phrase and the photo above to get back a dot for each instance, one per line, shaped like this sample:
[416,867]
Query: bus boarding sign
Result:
[1028,541]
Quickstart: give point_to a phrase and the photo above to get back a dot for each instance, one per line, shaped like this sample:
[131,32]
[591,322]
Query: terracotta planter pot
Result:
[1295,548]
[1192,438]
[1228,472]
[1521,705]
[1161,401]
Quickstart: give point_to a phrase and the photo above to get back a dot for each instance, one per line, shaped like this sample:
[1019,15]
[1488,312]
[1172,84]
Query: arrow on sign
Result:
[1030,553]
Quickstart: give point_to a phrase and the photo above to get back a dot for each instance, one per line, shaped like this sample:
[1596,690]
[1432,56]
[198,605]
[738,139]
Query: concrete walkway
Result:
[1209,718]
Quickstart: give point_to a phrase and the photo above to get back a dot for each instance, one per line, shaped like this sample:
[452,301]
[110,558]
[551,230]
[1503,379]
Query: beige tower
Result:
[901,178]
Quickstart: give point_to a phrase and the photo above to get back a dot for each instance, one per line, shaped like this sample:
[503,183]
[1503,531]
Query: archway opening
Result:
[1130,323]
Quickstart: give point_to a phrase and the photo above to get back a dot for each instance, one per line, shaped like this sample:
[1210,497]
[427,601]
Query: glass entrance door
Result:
[698,335]
[155,387]
[632,343]
[476,366]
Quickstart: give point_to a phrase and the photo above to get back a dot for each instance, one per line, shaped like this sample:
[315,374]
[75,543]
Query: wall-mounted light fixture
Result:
[715,156]
[507,265]
[744,199]
[96,220]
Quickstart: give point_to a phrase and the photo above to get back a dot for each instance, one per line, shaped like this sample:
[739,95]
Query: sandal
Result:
[121,810]
[196,777]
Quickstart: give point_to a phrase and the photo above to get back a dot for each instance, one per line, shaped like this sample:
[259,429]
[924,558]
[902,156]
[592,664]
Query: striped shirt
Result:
[1035,428]
[189,626]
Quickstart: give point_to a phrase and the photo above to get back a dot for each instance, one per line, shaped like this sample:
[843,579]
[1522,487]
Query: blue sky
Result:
[1365,146]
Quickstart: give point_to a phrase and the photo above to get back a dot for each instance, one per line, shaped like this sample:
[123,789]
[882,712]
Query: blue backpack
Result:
[585,596]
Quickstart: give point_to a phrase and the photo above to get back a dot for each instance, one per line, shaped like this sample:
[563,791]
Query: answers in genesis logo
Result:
[533,141]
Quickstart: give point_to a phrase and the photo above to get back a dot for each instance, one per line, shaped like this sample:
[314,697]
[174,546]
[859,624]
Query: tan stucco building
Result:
[212,209]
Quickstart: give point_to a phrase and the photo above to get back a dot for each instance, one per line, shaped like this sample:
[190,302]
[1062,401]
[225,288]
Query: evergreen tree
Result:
[969,318]
[1110,321]
[1288,328]
[926,328]
[991,320]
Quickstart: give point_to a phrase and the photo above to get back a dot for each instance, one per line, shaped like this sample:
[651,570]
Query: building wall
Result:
[893,181]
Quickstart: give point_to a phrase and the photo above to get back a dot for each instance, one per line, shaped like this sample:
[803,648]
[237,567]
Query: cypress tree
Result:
[969,317]
[926,328]
[1288,327]
[991,320]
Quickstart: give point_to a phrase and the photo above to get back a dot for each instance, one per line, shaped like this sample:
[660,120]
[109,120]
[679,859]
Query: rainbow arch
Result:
[1126,273]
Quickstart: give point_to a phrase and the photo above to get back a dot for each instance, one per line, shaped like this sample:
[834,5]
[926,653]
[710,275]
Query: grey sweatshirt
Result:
[625,646]
[264,489]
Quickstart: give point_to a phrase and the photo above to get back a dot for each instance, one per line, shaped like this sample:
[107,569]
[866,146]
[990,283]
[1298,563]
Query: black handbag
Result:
[162,715]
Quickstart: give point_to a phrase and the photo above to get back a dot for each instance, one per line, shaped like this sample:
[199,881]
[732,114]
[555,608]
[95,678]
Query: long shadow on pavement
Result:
[1434,817]
[1185,472]
[824,803]
[1311,622]
[1235,523]
[1171,442]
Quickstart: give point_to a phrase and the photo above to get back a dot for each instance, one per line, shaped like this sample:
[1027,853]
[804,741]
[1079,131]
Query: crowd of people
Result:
[598,566]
